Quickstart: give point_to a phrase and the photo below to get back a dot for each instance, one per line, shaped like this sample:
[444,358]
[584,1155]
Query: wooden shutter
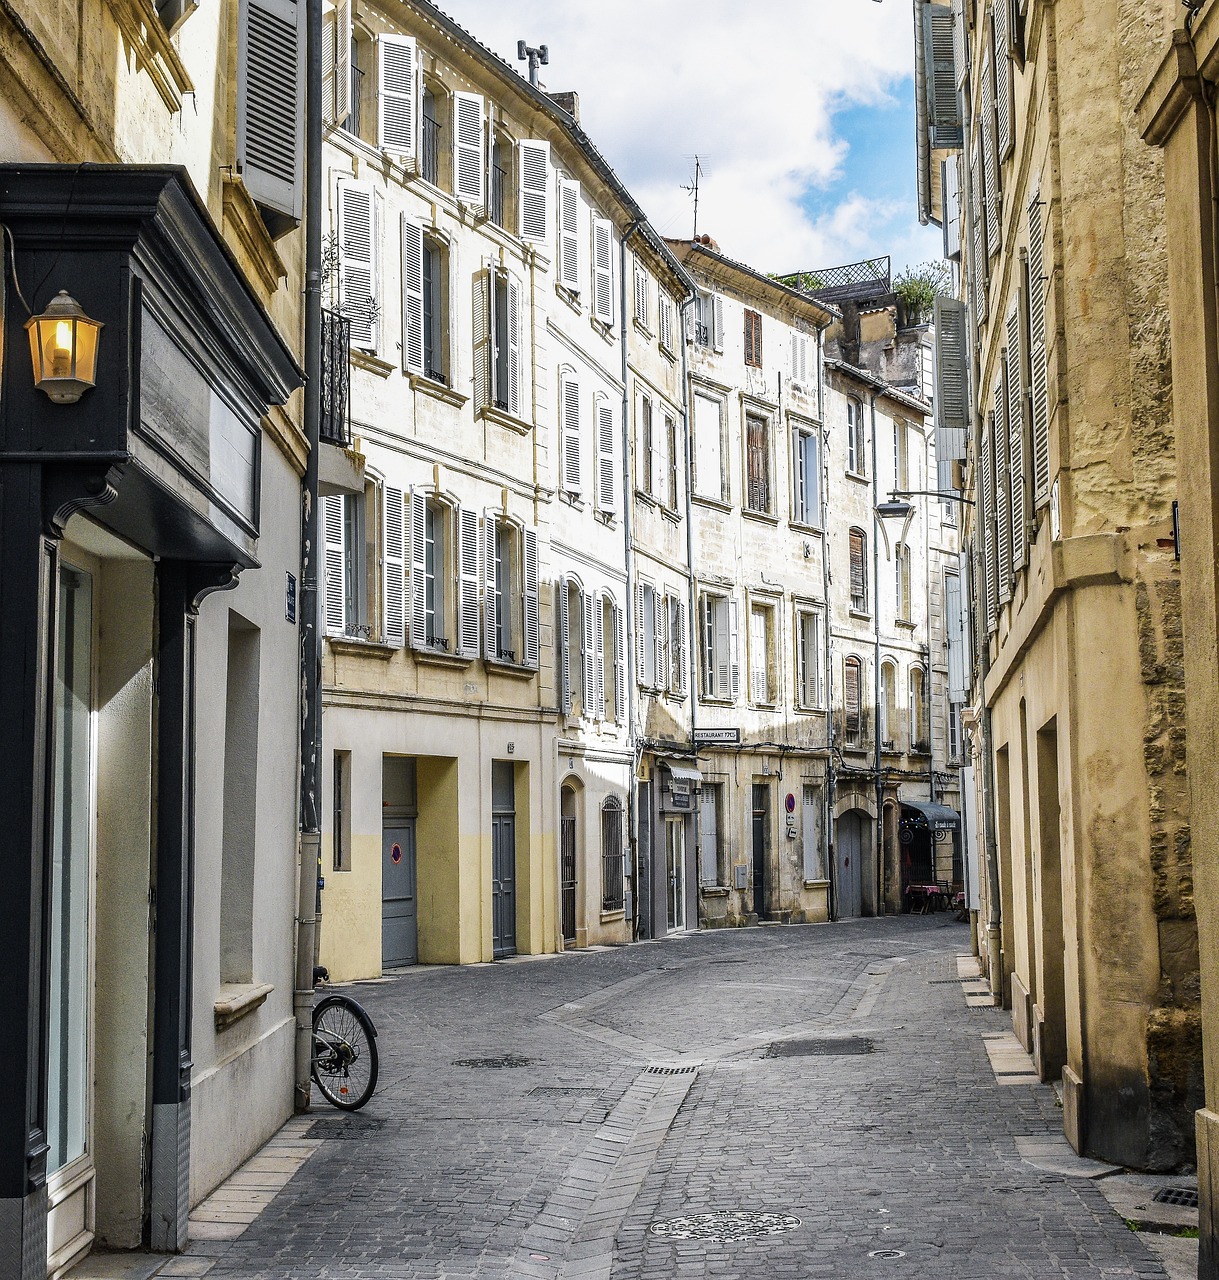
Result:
[721,645]
[803,694]
[989,565]
[490,609]
[1003,509]
[1003,78]
[753,339]
[859,572]
[336,63]
[1017,483]
[484,344]
[397,95]
[943,103]
[334,566]
[977,256]
[799,357]
[569,407]
[393,555]
[586,655]
[1038,395]
[950,198]
[956,639]
[569,244]
[951,387]
[468,583]
[469,149]
[598,611]
[734,634]
[531,613]
[665,310]
[660,462]
[990,163]
[513,327]
[357,262]
[717,322]
[606,478]
[603,270]
[564,649]
[673,459]
[418,569]
[679,658]
[660,640]
[641,295]
[619,664]
[851,695]
[270,87]
[534,158]
[412,295]
[648,449]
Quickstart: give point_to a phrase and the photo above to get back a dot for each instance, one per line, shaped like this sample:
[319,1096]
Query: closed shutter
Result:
[951,387]
[586,655]
[990,163]
[418,569]
[531,611]
[393,552]
[641,295]
[799,356]
[357,262]
[977,213]
[678,634]
[598,608]
[490,606]
[535,189]
[950,188]
[270,85]
[606,478]
[943,104]
[953,619]
[412,295]
[665,310]
[336,64]
[717,322]
[660,639]
[642,640]
[851,696]
[1038,394]
[734,632]
[859,573]
[991,584]
[398,92]
[647,449]
[569,243]
[1003,77]
[1015,429]
[803,627]
[1003,506]
[469,149]
[334,584]
[660,464]
[468,584]
[722,647]
[619,664]
[960,42]
[570,408]
[564,649]
[513,327]
[603,271]
[484,328]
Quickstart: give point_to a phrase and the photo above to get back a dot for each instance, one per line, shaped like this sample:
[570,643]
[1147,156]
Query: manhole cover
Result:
[886,1253]
[1186,1197]
[837,1047]
[345,1129]
[725,1227]
[509,1060]
[554,1091]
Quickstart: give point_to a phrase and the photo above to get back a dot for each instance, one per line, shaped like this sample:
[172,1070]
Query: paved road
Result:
[540,1118]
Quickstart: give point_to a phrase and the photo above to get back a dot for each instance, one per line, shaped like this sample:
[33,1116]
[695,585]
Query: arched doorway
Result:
[852,853]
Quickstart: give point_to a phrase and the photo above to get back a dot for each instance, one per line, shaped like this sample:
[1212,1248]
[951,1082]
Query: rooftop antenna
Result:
[540,55]
[692,187]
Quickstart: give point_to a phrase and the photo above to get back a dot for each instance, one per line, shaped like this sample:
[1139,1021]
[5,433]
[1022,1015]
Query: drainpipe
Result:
[827,840]
[994,922]
[310,842]
[929,692]
[880,788]
[691,595]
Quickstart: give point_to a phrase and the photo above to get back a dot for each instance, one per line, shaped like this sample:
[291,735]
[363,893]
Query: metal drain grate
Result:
[1186,1197]
[345,1129]
[948,982]
[886,1254]
[509,1060]
[655,1070]
[837,1047]
[555,1091]
[725,1227]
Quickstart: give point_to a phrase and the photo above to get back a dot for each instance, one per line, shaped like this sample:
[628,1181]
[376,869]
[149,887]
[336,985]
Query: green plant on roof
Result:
[918,287]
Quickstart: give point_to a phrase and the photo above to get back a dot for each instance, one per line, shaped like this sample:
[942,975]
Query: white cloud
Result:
[750,88]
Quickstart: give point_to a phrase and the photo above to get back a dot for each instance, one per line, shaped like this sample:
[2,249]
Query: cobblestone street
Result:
[543,1118]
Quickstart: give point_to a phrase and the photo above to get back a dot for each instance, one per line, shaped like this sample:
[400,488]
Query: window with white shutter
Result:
[358,283]
[1003,79]
[943,103]
[495,598]
[569,240]
[660,639]
[468,584]
[620,691]
[563,591]
[990,159]
[647,646]
[397,96]
[603,270]
[535,188]
[419,569]
[989,560]
[469,149]
[597,607]
[334,566]
[587,645]
[665,311]
[1017,479]
[484,342]
[270,125]
[763,681]
[607,479]
[734,649]
[800,360]
[678,651]
[569,413]
[717,322]
[808,658]
[412,296]
[645,446]
[950,199]
[721,668]
[673,457]
[951,387]
[1003,507]
[1038,391]
[806,476]
[336,63]
[394,568]
[641,296]
[508,366]
[532,612]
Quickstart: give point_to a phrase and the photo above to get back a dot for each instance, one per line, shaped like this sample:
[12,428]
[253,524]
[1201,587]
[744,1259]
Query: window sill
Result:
[606,330]
[572,499]
[714,890]
[571,297]
[373,364]
[606,518]
[718,503]
[905,625]
[609,917]
[437,390]
[502,418]
[238,1000]
[439,658]
[809,711]
[668,353]
[641,327]
[798,526]
[859,613]
[515,670]
[670,514]
[763,517]
[714,701]
[146,34]
[856,475]
[366,648]
[772,705]
[645,498]
[816,884]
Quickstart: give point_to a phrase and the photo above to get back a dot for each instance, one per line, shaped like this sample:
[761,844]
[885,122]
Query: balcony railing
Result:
[429,161]
[336,378]
[498,178]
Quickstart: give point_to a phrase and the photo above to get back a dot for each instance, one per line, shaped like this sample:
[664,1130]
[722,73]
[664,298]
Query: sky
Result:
[801,111]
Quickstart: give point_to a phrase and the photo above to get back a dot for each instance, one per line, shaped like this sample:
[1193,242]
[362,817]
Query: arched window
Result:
[612,896]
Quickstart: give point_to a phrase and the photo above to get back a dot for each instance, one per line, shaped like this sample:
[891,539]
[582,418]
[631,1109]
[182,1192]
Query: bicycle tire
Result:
[345,1066]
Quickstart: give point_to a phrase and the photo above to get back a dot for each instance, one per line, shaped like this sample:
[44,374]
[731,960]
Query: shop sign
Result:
[717,737]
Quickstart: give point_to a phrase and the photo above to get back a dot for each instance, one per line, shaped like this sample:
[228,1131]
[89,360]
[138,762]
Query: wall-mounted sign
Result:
[290,599]
[790,803]
[717,737]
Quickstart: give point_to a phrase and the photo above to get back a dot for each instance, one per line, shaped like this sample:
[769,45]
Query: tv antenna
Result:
[534,56]
[692,187]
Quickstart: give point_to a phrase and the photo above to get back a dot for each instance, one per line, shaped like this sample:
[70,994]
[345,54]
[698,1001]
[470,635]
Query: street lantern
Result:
[63,349]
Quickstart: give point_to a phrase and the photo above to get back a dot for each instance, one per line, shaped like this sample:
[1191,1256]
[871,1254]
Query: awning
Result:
[683,773]
[933,817]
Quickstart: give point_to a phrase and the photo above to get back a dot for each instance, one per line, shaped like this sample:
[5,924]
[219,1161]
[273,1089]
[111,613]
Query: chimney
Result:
[569,102]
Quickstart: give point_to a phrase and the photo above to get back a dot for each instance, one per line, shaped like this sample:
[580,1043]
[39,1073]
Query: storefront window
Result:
[72,800]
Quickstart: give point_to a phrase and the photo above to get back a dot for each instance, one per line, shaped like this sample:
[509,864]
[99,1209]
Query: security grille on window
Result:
[806,476]
[721,647]
[808,658]
[612,895]
[856,455]
[757,463]
[858,541]
[753,339]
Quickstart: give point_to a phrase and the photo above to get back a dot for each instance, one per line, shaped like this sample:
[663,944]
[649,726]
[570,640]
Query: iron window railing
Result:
[336,378]
[498,179]
[430,159]
[612,896]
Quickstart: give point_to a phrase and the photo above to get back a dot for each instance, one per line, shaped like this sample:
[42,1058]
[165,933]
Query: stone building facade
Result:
[1055,211]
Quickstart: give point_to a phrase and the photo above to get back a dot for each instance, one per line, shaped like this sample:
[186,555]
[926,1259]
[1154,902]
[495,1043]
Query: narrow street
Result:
[544,1117]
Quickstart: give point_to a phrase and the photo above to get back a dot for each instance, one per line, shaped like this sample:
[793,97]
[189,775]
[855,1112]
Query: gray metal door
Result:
[503,884]
[761,820]
[851,847]
[399,904]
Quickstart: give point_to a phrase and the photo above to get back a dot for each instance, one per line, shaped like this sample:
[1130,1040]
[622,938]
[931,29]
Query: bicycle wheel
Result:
[344,1052]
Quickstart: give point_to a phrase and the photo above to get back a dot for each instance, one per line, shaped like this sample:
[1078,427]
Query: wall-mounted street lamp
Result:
[63,349]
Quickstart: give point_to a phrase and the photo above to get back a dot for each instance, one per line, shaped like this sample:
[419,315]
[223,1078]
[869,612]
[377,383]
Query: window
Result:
[613,631]
[434,576]
[397,91]
[434,281]
[607,472]
[498,343]
[650,635]
[901,560]
[424,302]
[665,309]
[852,687]
[345,563]
[355,116]
[534,201]
[510,592]
[358,274]
[469,149]
[809,647]
[445,581]
[806,475]
[858,541]
[603,270]
[641,296]
[800,367]
[721,647]
[590,649]
[710,474]
[669,497]
[429,152]
[676,609]
[888,706]
[857,458]
[612,896]
[503,184]
[645,444]
[571,478]
[954,732]
[569,238]
[713,853]
[709,321]
[341,810]
[901,469]
[763,668]
[753,339]
[919,737]
[757,464]
[813,852]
